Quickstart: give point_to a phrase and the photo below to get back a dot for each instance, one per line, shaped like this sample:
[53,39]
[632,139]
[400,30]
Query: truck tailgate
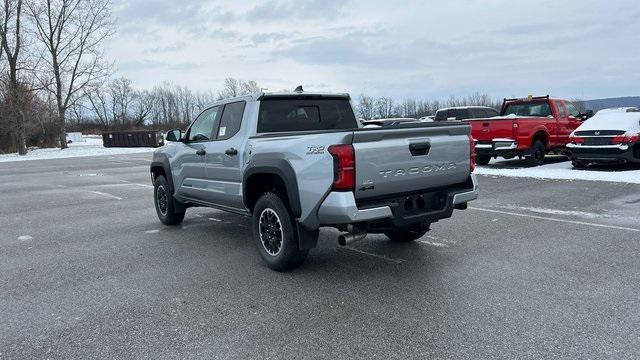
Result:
[493,128]
[399,160]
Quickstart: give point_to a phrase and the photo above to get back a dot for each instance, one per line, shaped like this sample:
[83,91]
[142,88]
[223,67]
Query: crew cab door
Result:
[224,159]
[189,169]
[563,128]
[574,113]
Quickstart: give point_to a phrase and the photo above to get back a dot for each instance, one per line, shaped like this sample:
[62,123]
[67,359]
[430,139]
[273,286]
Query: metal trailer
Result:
[138,138]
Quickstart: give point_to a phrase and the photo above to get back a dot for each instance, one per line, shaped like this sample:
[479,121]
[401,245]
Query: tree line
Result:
[368,107]
[54,78]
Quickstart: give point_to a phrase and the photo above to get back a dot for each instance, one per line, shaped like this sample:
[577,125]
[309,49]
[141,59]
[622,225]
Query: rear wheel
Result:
[538,153]
[169,210]
[275,235]
[408,233]
[482,159]
[579,164]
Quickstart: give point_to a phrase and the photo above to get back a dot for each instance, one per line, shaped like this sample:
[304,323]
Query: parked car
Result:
[529,128]
[299,161]
[388,122]
[612,135]
[465,112]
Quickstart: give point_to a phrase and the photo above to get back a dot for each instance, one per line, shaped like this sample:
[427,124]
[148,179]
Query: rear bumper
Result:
[622,153]
[497,147]
[342,208]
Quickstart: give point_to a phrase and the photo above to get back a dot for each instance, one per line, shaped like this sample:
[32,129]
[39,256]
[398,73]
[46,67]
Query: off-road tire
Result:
[169,210]
[275,234]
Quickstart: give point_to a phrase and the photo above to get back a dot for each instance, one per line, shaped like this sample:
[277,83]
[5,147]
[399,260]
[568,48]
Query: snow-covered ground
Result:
[92,146]
[558,167]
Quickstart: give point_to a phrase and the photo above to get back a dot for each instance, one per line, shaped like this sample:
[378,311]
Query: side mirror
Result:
[174,135]
[586,115]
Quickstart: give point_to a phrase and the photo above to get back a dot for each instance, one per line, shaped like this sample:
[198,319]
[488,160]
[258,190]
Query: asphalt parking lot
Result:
[535,269]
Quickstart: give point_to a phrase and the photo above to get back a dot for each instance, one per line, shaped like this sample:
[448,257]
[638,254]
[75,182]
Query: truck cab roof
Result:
[281,95]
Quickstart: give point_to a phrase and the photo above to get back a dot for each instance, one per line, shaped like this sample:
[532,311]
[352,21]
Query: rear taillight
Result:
[625,139]
[344,167]
[633,138]
[576,140]
[472,154]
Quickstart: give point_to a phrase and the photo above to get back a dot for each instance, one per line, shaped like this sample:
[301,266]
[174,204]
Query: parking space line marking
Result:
[557,220]
[104,194]
[382,257]
[136,184]
[433,243]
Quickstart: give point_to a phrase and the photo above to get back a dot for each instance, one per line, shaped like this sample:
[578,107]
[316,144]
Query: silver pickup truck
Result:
[299,161]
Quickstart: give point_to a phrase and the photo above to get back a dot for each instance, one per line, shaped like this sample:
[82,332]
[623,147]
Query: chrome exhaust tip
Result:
[350,238]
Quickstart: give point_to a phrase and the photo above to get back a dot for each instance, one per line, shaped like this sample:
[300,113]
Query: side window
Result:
[231,120]
[572,109]
[492,113]
[202,128]
[561,110]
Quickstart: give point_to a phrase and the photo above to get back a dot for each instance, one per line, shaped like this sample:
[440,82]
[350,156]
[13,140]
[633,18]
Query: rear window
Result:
[453,114]
[277,115]
[541,109]
[231,120]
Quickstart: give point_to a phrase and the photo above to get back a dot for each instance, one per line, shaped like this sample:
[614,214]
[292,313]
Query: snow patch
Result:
[25,238]
[559,170]
[556,211]
[92,146]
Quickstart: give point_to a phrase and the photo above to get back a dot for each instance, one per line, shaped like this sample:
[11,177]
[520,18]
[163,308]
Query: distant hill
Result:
[597,104]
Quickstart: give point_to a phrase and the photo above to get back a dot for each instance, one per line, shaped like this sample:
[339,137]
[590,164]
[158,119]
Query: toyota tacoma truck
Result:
[527,128]
[296,162]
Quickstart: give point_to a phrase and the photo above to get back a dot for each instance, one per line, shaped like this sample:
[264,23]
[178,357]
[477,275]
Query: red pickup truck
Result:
[529,128]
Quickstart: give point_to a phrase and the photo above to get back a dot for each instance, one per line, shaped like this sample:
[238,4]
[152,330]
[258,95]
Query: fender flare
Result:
[281,168]
[162,161]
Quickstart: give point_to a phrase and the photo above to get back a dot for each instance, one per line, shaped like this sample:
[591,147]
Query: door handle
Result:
[201,152]
[418,149]
[231,152]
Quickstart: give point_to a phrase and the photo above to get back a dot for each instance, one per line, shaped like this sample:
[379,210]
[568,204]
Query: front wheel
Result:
[169,210]
[275,235]
[408,233]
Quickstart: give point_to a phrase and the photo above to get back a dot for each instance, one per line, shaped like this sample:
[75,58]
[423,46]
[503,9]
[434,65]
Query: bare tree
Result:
[234,87]
[365,107]
[249,87]
[122,97]
[99,104]
[11,39]
[230,89]
[384,107]
[72,33]
[142,106]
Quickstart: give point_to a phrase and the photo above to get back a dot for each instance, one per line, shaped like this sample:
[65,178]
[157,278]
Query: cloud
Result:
[296,11]
[403,48]
[142,65]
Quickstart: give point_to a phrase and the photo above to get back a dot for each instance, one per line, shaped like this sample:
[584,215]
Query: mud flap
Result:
[307,239]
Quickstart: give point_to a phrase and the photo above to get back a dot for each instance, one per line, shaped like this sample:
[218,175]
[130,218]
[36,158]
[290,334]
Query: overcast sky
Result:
[427,49]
